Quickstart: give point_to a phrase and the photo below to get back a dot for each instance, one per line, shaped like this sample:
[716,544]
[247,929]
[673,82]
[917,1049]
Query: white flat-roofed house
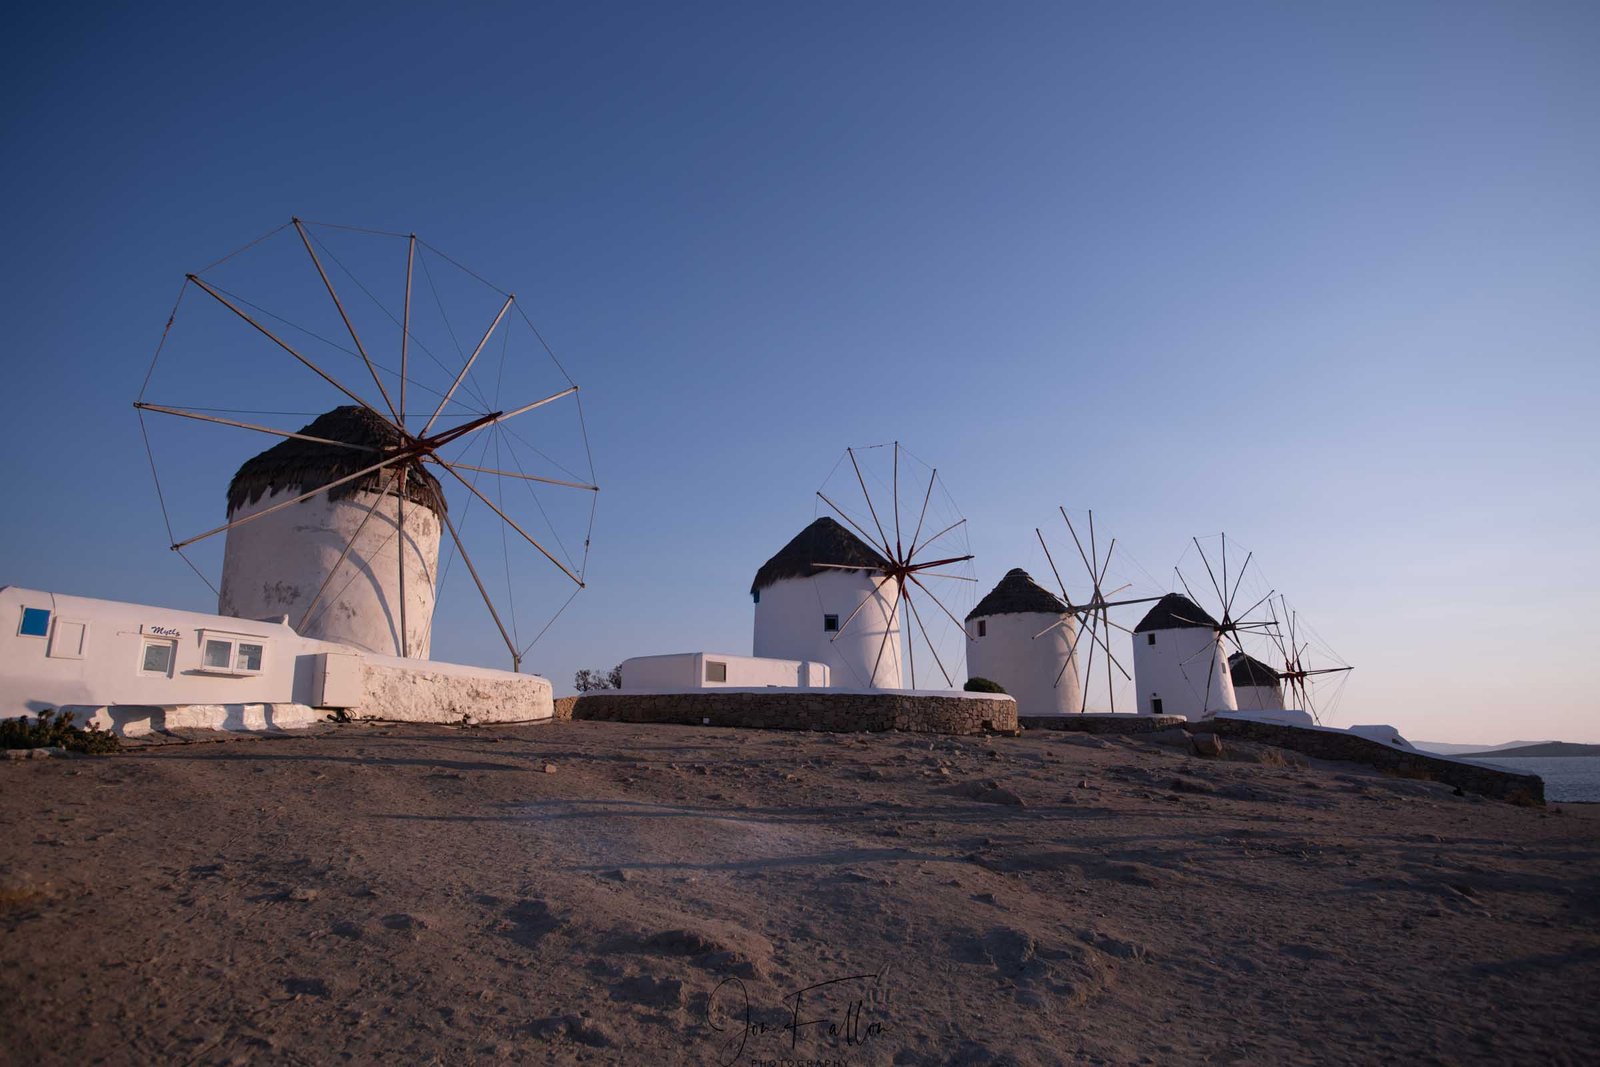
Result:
[135,667]
[686,671]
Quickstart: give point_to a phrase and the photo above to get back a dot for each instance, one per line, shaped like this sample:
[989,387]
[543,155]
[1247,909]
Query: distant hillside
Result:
[1547,748]
[1452,749]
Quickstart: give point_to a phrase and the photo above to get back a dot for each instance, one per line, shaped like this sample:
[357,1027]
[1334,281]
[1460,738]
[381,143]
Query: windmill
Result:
[1093,615]
[1227,625]
[1286,634]
[877,500]
[419,378]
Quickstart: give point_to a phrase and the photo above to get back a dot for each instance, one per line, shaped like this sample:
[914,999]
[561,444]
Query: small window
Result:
[1149,639]
[830,624]
[231,655]
[1155,705]
[716,672]
[68,639]
[756,596]
[983,627]
[158,656]
[35,622]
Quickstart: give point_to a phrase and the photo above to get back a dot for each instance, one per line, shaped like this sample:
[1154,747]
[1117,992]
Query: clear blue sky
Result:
[1326,277]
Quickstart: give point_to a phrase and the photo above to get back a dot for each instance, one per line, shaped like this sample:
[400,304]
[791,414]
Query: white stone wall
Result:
[1176,668]
[274,566]
[789,625]
[401,689]
[1028,666]
[134,721]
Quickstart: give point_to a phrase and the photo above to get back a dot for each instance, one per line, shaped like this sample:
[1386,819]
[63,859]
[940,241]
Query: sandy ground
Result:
[599,893]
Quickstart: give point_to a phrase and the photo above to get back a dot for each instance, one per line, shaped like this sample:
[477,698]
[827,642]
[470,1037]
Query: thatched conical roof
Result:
[301,466]
[1175,612]
[1247,670]
[1018,594]
[824,541]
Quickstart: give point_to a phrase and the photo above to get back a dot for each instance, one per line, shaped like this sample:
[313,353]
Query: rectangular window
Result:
[231,655]
[1149,639]
[67,639]
[158,656]
[830,624]
[716,672]
[35,622]
[1155,705]
[983,627]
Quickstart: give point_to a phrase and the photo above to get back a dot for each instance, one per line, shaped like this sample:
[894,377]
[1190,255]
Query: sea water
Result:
[1566,778]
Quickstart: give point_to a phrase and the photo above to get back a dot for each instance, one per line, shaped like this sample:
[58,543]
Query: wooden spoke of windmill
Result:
[1291,650]
[903,566]
[1227,625]
[1092,615]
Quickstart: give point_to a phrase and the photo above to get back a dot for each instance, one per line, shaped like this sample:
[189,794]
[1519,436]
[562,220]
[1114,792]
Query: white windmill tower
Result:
[1025,638]
[1256,686]
[810,588]
[1179,666]
[338,527]
[842,596]
[1180,659]
[352,565]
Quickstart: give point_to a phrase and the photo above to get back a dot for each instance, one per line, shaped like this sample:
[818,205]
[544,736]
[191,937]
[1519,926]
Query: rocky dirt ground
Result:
[602,893]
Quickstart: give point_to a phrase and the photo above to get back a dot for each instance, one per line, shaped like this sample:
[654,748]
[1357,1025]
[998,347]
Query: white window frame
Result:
[233,641]
[171,644]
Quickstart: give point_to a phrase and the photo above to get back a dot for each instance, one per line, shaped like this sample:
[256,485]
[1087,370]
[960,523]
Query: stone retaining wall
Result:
[802,710]
[1102,724]
[1337,745]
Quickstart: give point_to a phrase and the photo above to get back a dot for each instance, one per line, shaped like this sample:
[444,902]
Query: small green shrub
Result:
[54,729]
[983,685]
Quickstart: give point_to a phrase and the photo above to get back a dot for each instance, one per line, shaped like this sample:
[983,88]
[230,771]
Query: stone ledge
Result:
[1338,745]
[1102,723]
[810,709]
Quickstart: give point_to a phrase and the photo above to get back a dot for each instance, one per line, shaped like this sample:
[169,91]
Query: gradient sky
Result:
[1324,277]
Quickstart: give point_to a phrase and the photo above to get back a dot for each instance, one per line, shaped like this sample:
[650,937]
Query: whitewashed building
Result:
[683,672]
[1178,663]
[1256,686]
[1021,635]
[134,668]
[847,619]
[335,566]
